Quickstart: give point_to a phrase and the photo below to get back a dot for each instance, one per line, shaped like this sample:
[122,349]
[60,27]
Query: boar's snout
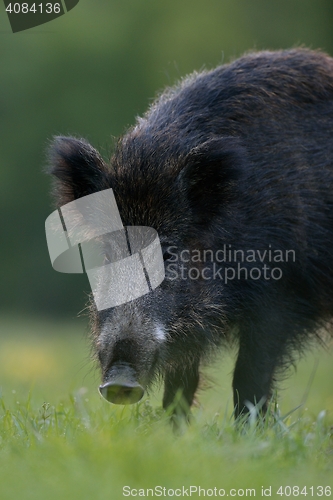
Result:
[121,386]
[121,394]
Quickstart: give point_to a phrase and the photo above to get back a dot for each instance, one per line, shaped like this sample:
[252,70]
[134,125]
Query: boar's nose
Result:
[125,393]
[121,386]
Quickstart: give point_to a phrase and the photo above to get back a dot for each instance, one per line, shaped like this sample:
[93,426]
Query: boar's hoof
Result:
[121,394]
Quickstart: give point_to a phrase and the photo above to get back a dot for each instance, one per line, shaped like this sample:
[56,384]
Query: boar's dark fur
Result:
[240,157]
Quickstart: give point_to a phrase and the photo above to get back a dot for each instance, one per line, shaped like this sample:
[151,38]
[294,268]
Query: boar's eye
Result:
[167,256]
[170,253]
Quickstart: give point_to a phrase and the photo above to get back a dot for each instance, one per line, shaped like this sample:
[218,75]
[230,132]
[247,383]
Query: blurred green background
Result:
[90,73]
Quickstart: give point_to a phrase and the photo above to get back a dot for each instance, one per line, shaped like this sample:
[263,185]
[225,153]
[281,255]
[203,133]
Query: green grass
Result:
[59,439]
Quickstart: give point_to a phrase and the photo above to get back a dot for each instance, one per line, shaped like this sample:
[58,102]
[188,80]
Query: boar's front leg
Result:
[260,353]
[179,389]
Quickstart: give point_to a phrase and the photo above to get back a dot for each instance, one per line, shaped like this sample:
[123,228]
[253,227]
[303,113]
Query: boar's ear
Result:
[78,168]
[211,175]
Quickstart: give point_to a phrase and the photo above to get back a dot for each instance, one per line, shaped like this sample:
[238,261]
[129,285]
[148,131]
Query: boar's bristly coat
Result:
[234,169]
